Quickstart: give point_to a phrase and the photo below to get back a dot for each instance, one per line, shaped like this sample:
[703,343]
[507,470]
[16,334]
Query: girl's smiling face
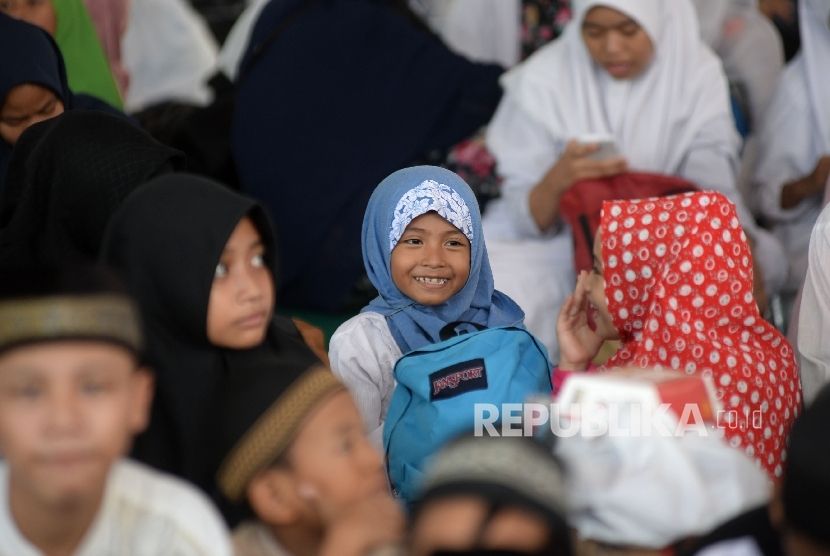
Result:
[431,261]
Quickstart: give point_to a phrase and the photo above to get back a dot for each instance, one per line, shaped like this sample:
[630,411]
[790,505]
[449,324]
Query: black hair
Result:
[19,283]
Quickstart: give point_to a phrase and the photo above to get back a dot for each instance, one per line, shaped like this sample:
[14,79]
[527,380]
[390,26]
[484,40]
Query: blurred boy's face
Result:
[26,105]
[36,12]
[616,42]
[242,295]
[68,410]
[332,462]
[455,524]
[431,262]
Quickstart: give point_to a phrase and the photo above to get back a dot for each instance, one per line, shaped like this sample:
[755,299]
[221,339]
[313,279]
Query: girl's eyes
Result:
[450,243]
[221,271]
[630,30]
[50,108]
[13,122]
[345,446]
[29,392]
[94,387]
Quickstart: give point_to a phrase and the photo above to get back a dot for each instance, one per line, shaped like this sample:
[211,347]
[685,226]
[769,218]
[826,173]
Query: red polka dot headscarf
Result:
[678,281]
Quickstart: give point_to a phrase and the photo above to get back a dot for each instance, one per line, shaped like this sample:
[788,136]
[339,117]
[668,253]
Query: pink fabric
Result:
[678,275]
[110,18]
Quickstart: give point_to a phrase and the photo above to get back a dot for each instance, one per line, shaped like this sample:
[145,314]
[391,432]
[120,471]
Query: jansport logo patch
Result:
[458,379]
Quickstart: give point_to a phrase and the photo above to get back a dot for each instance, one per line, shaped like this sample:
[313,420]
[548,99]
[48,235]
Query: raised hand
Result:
[578,344]
[375,522]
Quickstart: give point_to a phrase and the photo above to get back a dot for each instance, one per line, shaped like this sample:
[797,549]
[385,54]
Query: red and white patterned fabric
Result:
[678,281]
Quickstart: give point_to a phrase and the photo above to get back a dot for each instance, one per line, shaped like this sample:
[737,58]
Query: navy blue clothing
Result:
[347,92]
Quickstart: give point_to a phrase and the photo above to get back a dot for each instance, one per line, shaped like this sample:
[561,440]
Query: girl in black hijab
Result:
[33,83]
[66,177]
[200,261]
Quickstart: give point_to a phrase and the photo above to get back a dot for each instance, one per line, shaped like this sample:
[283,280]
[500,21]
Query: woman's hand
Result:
[574,165]
[811,185]
[578,344]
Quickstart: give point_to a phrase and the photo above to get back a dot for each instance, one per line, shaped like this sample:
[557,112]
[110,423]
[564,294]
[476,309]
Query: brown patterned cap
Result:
[275,426]
[105,317]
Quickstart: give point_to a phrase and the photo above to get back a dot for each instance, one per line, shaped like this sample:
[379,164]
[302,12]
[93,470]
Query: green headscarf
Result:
[86,64]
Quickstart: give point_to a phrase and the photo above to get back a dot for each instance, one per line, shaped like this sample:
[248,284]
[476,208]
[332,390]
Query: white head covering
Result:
[814,19]
[713,14]
[797,127]
[795,133]
[651,491]
[814,315]
[656,118]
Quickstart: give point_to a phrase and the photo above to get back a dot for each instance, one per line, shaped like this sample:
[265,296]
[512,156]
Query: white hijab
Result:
[649,491]
[814,314]
[713,15]
[656,118]
[814,19]
[796,129]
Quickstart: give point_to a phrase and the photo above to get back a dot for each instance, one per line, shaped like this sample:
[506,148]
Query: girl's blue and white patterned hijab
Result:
[397,201]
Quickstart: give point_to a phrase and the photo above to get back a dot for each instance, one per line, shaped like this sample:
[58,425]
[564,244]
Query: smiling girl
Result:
[424,251]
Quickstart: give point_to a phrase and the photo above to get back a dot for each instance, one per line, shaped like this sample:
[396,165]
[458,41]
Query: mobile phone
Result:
[607,146]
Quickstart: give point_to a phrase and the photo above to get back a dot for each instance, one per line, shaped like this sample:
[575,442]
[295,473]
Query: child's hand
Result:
[373,523]
[578,344]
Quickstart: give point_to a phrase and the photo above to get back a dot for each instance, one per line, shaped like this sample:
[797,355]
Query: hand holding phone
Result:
[607,146]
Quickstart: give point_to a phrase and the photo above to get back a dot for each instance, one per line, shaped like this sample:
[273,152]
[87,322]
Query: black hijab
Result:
[334,95]
[166,240]
[67,176]
[28,54]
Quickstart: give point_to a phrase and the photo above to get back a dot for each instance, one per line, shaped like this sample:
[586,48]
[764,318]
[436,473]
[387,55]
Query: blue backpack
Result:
[440,384]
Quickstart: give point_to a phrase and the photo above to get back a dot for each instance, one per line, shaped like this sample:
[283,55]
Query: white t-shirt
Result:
[144,512]
[363,354]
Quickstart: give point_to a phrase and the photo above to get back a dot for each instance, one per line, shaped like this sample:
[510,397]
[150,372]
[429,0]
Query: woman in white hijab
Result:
[795,141]
[169,53]
[748,44]
[753,59]
[634,70]
[814,315]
